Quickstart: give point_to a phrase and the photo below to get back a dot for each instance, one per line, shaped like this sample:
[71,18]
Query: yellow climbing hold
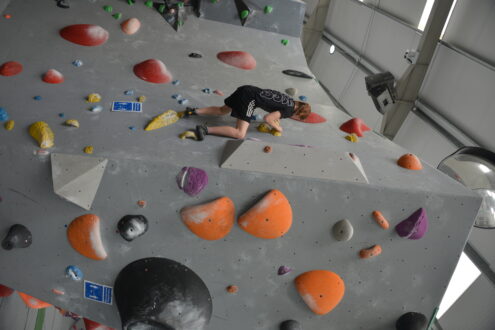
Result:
[88,149]
[141,99]
[42,133]
[265,128]
[9,125]
[188,134]
[72,122]
[93,98]
[167,118]
[352,137]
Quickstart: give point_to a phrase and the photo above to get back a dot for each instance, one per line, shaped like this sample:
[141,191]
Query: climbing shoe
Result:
[201,131]
[187,113]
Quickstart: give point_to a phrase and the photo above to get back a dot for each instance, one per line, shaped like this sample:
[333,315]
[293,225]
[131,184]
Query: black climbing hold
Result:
[132,226]
[17,237]
[161,294]
[411,321]
[290,325]
[296,73]
[195,55]
[63,4]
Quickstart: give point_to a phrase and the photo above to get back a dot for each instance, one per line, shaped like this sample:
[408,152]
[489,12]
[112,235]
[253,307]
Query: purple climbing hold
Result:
[192,180]
[415,226]
[282,270]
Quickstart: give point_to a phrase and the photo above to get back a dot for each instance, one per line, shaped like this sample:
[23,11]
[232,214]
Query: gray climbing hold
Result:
[17,237]
[290,325]
[291,91]
[411,321]
[343,230]
[132,226]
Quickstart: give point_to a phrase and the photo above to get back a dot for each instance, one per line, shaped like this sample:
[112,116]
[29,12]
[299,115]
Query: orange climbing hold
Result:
[210,221]
[92,325]
[380,219]
[321,290]
[271,217]
[32,302]
[356,126]
[84,236]
[410,161]
[232,289]
[370,252]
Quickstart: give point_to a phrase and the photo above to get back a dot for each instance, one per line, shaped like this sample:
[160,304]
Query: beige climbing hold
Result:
[352,137]
[188,135]
[130,26]
[141,99]
[72,123]
[93,98]
[265,128]
[88,149]
[42,133]
[167,118]
[9,125]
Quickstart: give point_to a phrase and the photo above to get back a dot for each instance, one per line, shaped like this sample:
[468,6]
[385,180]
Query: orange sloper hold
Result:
[356,126]
[271,217]
[32,302]
[84,236]
[321,290]
[210,221]
[410,161]
[380,219]
[370,252]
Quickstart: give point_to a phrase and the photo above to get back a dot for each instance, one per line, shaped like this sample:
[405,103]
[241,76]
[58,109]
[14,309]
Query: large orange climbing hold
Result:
[210,221]
[356,126]
[32,302]
[153,71]
[10,68]
[92,325]
[410,161]
[271,217]
[84,236]
[321,290]
[5,291]
[85,34]
[238,59]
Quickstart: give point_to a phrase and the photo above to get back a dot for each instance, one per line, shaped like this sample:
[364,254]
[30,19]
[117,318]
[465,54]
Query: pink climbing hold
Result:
[10,68]
[85,34]
[313,118]
[218,92]
[153,71]
[239,59]
[356,126]
[130,26]
[415,226]
[52,76]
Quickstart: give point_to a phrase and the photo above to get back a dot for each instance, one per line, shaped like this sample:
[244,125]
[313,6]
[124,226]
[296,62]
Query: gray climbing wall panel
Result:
[143,165]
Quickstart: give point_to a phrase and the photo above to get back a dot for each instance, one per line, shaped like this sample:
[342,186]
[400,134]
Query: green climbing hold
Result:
[244,14]
[117,16]
[130,2]
[268,9]
[284,42]
[180,4]
[149,4]
[108,9]
[214,1]
[180,23]
[161,9]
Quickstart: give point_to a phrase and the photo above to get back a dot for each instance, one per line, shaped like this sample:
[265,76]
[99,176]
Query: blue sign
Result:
[127,106]
[98,292]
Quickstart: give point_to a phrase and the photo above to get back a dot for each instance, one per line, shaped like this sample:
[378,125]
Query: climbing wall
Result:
[267,219]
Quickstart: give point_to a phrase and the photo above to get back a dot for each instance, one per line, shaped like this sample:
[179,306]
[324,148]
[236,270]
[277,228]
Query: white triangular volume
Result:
[77,178]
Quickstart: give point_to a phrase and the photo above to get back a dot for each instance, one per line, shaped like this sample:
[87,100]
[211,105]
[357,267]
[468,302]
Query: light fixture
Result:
[381,88]
[475,168]
[331,50]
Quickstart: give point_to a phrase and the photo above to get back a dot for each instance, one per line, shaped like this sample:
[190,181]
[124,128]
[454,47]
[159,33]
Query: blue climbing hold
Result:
[132,128]
[77,63]
[74,273]
[61,115]
[37,98]
[303,98]
[176,96]
[3,114]
[175,82]
[129,92]
[183,101]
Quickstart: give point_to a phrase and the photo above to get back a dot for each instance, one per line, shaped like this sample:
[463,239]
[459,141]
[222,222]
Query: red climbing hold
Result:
[313,118]
[239,59]
[10,68]
[85,34]
[92,325]
[52,76]
[5,291]
[356,126]
[153,71]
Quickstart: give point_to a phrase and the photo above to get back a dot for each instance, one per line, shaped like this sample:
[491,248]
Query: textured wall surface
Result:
[407,276]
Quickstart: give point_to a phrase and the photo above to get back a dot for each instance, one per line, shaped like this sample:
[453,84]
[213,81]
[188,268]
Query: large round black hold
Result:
[17,237]
[132,226]
[290,325]
[161,294]
[411,321]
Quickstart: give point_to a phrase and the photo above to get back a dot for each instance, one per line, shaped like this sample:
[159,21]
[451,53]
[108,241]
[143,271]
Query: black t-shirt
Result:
[270,101]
